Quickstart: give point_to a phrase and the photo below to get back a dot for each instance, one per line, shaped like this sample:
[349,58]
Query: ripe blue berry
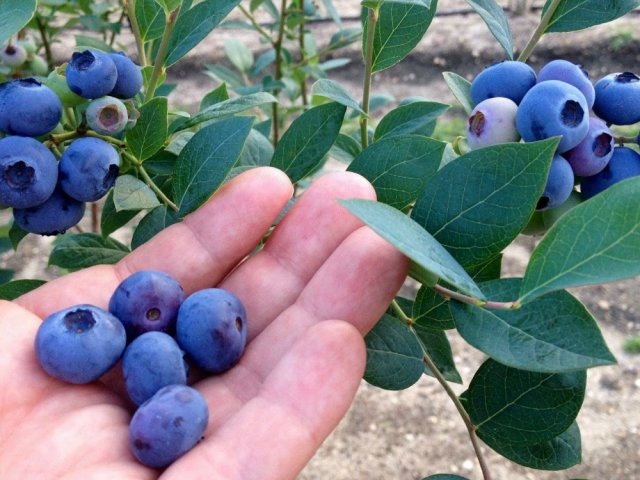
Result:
[79,344]
[13,55]
[28,108]
[570,73]
[492,122]
[88,169]
[53,217]
[508,79]
[107,115]
[618,98]
[553,108]
[28,170]
[129,80]
[147,301]
[168,425]
[152,361]
[91,74]
[624,163]
[592,154]
[211,328]
[559,184]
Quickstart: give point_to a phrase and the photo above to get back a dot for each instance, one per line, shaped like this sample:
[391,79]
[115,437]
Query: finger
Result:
[356,284]
[301,402]
[271,280]
[199,251]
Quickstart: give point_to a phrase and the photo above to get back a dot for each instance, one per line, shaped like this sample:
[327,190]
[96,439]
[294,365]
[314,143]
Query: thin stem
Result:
[71,116]
[158,64]
[303,81]
[135,29]
[447,293]
[113,33]
[471,429]
[366,87]
[95,218]
[57,139]
[149,181]
[255,24]
[400,313]
[537,34]
[622,140]
[278,69]
[42,28]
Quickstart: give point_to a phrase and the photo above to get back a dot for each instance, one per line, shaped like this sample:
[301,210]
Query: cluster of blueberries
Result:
[21,56]
[150,325]
[48,197]
[512,102]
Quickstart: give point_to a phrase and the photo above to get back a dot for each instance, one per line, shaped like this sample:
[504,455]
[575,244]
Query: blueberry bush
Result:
[543,155]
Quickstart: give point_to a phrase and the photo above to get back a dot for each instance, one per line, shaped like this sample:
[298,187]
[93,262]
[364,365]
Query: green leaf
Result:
[502,184]
[16,234]
[150,132]
[422,3]
[574,15]
[216,95]
[445,476]
[412,240]
[83,250]
[111,220]
[153,223]
[559,453]
[225,108]
[239,54]
[169,5]
[489,270]
[437,345]
[308,139]
[194,25]
[461,89]
[151,19]
[6,275]
[399,167]
[410,118]
[17,288]
[394,356]
[399,28]
[14,14]
[257,151]
[597,241]
[336,92]
[204,163]
[521,407]
[224,74]
[179,142]
[345,149]
[496,20]
[431,310]
[130,193]
[554,333]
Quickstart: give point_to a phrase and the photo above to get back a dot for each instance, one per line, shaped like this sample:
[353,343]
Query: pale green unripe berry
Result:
[57,82]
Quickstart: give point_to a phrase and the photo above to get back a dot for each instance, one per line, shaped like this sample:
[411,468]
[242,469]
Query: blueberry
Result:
[29,172]
[37,66]
[13,55]
[79,344]
[152,361]
[53,217]
[618,98]
[88,169]
[508,79]
[624,163]
[107,115]
[28,108]
[492,122]
[147,301]
[211,328]
[553,108]
[91,74]
[559,184]
[541,221]
[592,154]
[168,425]
[57,81]
[570,73]
[29,45]
[129,80]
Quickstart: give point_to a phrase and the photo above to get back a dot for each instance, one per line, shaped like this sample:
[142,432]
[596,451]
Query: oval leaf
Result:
[521,407]
[150,132]
[153,223]
[574,15]
[239,54]
[597,241]
[206,160]
[14,14]
[501,183]
[129,193]
[412,240]
[336,92]
[83,250]
[414,117]
[151,19]
[461,89]
[308,139]
[13,290]
[394,356]
[399,167]
[111,220]
[555,333]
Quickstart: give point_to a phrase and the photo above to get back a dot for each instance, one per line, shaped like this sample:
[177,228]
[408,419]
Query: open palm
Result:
[318,285]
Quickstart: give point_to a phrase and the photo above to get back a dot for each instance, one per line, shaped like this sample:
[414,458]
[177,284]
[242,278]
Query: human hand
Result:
[319,284]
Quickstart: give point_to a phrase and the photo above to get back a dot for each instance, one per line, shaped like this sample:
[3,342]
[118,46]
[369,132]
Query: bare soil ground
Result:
[416,432]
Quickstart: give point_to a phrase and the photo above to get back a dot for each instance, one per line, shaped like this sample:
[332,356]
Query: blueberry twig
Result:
[539,31]
[448,294]
[368,67]
[135,28]
[158,64]
[400,313]
[256,25]
[277,45]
